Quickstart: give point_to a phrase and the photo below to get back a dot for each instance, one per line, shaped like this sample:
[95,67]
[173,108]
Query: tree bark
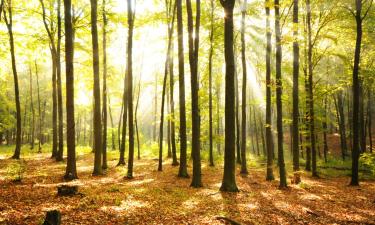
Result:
[60,110]
[295,129]
[131,15]
[244,86]
[71,171]
[183,167]
[9,23]
[356,91]
[268,126]
[210,59]
[193,59]
[105,91]
[170,37]
[280,134]
[96,92]
[229,178]
[311,92]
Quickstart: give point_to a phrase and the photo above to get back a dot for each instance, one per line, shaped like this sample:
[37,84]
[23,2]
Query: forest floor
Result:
[154,197]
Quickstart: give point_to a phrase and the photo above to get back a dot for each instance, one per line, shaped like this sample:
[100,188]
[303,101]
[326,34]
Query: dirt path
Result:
[161,198]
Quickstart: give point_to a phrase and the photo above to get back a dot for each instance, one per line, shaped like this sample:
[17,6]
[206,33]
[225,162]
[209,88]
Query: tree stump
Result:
[296,178]
[53,217]
[67,190]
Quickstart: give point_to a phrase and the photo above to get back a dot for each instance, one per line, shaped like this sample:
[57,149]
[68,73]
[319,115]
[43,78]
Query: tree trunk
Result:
[9,23]
[341,122]
[131,15]
[96,92]
[193,59]
[370,114]
[311,94]
[32,127]
[171,89]
[295,129]
[136,119]
[71,171]
[356,91]
[280,134]
[211,53]
[60,152]
[269,142]
[183,167]
[325,128]
[229,178]
[170,37]
[40,135]
[105,91]
[244,83]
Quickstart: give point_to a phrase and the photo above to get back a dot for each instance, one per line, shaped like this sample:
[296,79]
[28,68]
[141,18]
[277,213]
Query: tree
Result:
[269,142]
[131,15]
[96,91]
[295,132]
[40,136]
[211,53]
[280,134]
[170,24]
[182,172]
[51,36]
[229,178]
[310,95]
[71,171]
[244,82]
[60,151]
[193,59]
[105,91]
[8,18]
[356,88]
[32,125]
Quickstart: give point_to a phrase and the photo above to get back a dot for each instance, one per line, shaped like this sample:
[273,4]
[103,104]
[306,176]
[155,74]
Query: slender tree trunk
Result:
[96,92]
[311,94]
[269,142]
[71,171]
[136,119]
[356,91]
[32,125]
[229,178]
[256,131]
[40,135]
[60,153]
[124,124]
[171,89]
[193,59]
[105,91]
[295,129]
[183,167]
[325,128]
[244,86]
[131,15]
[210,58]
[280,134]
[341,122]
[170,37]
[9,23]
[370,114]
[237,112]
[307,113]
[112,124]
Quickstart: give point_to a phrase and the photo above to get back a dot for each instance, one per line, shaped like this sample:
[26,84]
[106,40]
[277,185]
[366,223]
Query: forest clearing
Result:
[154,197]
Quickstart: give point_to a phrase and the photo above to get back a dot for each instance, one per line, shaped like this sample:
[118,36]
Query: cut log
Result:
[67,190]
[53,217]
